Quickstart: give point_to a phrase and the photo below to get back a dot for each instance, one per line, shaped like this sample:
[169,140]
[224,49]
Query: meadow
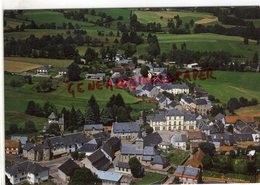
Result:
[232,84]
[17,67]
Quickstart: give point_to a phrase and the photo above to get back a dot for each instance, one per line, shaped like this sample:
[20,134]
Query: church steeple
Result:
[139,142]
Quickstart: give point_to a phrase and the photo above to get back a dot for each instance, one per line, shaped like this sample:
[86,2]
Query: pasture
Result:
[232,84]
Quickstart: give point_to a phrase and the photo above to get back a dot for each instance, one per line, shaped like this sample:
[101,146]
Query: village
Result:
[184,144]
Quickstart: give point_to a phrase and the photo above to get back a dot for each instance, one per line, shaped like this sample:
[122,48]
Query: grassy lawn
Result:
[176,156]
[232,84]
[149,178]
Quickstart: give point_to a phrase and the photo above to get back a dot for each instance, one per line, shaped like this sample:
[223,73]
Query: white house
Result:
[27,172]
[179,140]
[66,170]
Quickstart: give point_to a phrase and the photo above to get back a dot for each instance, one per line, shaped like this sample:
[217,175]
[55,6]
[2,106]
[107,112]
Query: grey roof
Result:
[200,102]
[111,146]
[28,146]
[130,149]
[248,130]
[68,167]
[149,150]
[159,69]
[240,125]
[243,137]
[126,127]
[99,160]
[219,116]
[159,160]
[203,125]
[93,127]
[157,117]
[147,158]
[162,99]
[148,87]
[26,167]
[43,68]
[178,137]
[187,99]
[198,89]
[152,139]
[22,139]
[219,137]
[69,139]
[52,116]
[101,135]
[88,148]
[187,170]
[97,75]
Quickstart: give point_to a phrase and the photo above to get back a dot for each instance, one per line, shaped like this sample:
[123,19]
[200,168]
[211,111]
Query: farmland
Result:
[17,67]
[249,111]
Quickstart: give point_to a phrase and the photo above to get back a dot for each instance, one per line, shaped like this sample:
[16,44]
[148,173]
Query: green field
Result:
[176,156]
[149,178]
[205,42]
[232,84]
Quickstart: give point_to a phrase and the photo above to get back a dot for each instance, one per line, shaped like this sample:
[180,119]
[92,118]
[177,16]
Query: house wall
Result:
[107,182]
[11,150]
[63,176]
[18,178]
[157,166]
[31,155]
[36,178]
[123,170]
[86,163]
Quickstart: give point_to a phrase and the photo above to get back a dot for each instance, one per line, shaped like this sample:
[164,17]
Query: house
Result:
[202,106]
[96,161]
[39,152]
[196,136]
[187,174]
[200,92]
[220,117]
[53,118]
[96,76]
[66,170]
[192,65]
[187,103]
[179,140]
[27,147]
[159,162]
[27,171]
[221,139]
[43,70]
[103,136]
[63,71]
[125,130]
[90,147]
[93,129]
[12,147]
[107,177]
[231,120]
[174,88]
[164,102]
[203,126]
[172,119]
[110,147]
[65,144]
[22,139]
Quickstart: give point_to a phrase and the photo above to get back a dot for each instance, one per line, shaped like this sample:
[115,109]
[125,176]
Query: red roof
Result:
[233,119]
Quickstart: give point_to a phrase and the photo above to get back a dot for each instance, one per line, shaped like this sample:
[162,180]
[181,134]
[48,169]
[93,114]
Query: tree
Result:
[83,176]
[230,129]
[48,108]
[245,40]
[93,112]
[255,60]
[74,72]
[232,154]
[207,148]
[207,162]
[44,85]
[29,127]
[144,71]
[136,167]
[233,104]
[74,155]
[54,129]
[90,54]
[148,129]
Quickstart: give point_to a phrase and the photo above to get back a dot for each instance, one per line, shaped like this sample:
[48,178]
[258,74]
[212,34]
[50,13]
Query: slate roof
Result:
[111,146]
[248,130]
[159,160]
[219,116]
[200,102]
[240,125]
[88,148]
[69,139]
[178,137]
[152,139]
[98,159]
[148,87]
[186,171]
[130,149]
[43,68]
[243,137]
[68,167]
[126,127]
[93,127]
[101,135]
[22,139]
[149,150]
[26,167]
[159,69]
[187,99]
[109,176]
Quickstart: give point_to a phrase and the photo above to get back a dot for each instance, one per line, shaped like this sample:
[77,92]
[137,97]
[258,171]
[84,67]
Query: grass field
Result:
[205,42]
[176,156]
[18,66]
[39,61]
[232,84]
[149,178]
